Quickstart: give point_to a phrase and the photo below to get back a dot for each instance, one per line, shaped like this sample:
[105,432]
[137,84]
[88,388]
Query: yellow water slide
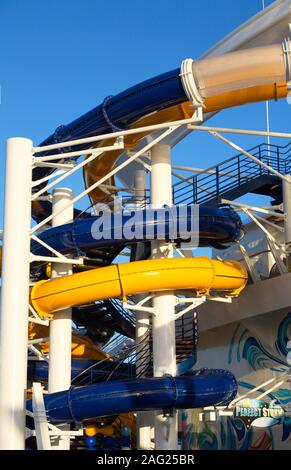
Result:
[200,275]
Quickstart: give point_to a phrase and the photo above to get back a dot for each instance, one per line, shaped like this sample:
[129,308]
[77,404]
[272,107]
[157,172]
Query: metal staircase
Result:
[237,176]
[186,347]
[103,319]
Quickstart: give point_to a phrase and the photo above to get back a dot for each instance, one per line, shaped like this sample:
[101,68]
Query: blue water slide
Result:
[215,225]
[120,111]
[203,388]
[86,371]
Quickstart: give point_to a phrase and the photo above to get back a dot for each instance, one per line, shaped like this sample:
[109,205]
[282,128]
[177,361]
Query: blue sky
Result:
[60,58]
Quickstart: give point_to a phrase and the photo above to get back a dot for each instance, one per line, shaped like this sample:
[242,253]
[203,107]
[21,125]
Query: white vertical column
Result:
[61,325]
[287,222]
[15,294]
[143,350]
[163,327]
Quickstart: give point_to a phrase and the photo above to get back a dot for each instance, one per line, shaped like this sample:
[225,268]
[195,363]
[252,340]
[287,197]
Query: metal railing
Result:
[121,311]
[233,173]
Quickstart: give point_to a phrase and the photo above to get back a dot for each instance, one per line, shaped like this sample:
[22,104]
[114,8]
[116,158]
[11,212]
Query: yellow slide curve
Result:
[201,275]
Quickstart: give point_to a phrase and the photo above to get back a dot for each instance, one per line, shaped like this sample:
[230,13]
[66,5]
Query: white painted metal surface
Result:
[163,328]
[169,129]
[142,334]
[40,421]
[61,324]
[15,292]
[189,83]
[229,130]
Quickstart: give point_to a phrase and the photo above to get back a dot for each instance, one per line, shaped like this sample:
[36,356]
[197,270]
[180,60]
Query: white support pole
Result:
[61,324]
[287,220]
[144,420]
[163,327]
[40,420]
[15,294]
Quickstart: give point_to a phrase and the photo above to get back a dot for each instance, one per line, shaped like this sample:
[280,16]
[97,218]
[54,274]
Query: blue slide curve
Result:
[203,388]
[215,225]
[113,114]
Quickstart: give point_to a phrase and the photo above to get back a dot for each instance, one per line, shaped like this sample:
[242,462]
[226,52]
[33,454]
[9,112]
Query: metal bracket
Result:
[209,413]
[276,253]
[35,318]
[170,128]
[139,307]
[276,249]
[37,353]
[198,114]
[191,89]
[44,430]
[194,303]
[38,321]
[253,272]
[274,246]
[225,300]
[57,259]
[38,340]
[40,419]
[264,209]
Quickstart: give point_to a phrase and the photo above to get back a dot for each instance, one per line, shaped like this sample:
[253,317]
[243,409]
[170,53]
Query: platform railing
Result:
[233,173]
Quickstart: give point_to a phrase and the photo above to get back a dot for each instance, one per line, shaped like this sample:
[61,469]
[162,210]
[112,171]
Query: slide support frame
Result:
[287,218]
[144,419]
[15,293]
[61,324]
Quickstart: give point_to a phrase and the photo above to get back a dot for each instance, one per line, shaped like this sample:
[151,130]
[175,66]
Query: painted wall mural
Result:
[256,351]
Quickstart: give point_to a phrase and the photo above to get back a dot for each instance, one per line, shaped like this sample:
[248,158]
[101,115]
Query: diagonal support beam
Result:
[247,154]
[111,173]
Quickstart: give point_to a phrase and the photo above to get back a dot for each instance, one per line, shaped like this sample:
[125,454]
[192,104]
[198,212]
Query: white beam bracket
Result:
[44,430]
[191,89]
[193,301]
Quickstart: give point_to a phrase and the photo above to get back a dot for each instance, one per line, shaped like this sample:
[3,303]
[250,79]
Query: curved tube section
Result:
[220,225]
[231,79]
[240,69]
[83,371]
[120,111]
[206,387]
[202,275]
